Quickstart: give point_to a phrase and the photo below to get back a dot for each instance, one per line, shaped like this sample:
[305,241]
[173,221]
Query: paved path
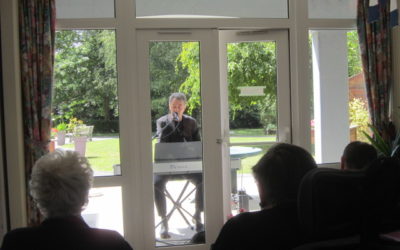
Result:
[105,209]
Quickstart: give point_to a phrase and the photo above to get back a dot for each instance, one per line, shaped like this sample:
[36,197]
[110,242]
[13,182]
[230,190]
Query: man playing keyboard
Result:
[177,127]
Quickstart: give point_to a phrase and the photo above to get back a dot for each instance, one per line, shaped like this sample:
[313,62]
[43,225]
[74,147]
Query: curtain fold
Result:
[375,45]
[37,34]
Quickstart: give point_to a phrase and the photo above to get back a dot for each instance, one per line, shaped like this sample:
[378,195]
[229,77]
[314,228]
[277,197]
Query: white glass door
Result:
[255,75]
[192,172]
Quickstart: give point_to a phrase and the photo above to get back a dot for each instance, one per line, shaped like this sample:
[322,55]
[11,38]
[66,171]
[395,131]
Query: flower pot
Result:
[60,138]
[80,145]
[52,146]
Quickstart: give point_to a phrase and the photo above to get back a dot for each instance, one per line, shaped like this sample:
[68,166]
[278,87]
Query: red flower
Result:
[242,210]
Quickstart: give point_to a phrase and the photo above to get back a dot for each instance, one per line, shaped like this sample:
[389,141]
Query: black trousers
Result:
[160,182]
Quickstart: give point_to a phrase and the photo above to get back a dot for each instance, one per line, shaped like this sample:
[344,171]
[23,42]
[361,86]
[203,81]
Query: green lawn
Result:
[253,132]
[247,139]
[249,162]
[104,154]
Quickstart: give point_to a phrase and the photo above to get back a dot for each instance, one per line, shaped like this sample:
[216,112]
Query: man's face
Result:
[178,106]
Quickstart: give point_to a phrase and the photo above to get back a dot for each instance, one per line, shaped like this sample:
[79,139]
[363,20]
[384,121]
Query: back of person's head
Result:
[60,183]
[358,155]
[279,172]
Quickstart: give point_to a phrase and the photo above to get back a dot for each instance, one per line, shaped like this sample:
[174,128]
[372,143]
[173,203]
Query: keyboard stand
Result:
[177,205]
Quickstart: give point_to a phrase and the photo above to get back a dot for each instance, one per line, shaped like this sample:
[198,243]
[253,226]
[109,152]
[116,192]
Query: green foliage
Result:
[386,139]
[353,54]
[166,75]
[189,58]
[359,116]
[104,126]
[85,74]
[74,122]
[62,127]
[249,64]
[385,148]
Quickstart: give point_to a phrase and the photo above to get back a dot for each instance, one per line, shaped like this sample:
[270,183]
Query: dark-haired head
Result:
[279,172]
[358,155]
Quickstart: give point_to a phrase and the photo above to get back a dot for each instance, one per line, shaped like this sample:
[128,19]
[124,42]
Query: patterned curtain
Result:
[37,33]
[375,44]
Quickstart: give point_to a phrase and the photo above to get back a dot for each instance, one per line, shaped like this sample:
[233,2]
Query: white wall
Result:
[330,94]
[12,114]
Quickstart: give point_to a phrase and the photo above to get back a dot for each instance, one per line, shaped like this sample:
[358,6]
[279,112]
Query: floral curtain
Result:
[37,33]
[375,43]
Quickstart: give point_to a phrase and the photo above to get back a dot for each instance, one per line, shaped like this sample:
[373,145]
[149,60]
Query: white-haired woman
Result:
[60,184]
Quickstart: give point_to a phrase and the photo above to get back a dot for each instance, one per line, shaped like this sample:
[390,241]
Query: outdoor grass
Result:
[103,154]
[253,132]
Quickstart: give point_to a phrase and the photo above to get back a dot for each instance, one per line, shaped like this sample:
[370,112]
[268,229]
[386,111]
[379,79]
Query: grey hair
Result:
[60,183]
[177,96]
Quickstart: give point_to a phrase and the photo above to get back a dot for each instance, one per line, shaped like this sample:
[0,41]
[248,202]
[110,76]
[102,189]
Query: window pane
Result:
[104,209]
[340,102]
[177,147]
[212,8]
[252,88]
[85,8]
[336,9]
[85,103]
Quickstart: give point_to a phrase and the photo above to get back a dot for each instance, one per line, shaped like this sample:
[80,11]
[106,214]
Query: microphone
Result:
[175,116]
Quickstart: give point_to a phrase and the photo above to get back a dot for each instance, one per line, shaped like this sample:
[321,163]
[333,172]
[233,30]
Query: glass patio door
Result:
[197,167]
[255,79]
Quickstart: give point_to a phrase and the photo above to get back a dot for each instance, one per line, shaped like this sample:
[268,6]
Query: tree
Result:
[249,64]
[353,54]
[85,74]
[166,75]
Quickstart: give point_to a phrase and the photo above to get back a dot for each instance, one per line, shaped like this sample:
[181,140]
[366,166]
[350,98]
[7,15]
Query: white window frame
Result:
[126,25]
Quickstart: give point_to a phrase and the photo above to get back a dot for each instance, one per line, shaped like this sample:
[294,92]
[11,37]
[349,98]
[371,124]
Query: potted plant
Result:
[52,145]
[80,135]
[61,132]
[386,141]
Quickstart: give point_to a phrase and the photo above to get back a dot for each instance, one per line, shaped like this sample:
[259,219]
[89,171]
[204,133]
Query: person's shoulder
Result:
[110,239]
[18,232]
[263,218]
[17,238]
[248,216]
[188,118]
[163,118]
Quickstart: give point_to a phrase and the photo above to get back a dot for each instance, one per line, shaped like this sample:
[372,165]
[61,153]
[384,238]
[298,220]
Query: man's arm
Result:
[159,129]
[196,134]
[160,126]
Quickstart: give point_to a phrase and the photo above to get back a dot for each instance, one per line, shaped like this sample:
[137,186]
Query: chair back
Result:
[381,197]
[329,203]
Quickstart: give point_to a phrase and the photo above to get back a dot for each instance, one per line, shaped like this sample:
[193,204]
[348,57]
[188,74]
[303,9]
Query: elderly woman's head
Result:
[279,172]
[60,183]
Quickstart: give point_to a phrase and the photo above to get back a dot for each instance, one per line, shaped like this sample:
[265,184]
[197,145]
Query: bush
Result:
[359,116]
[104,126]
[249,117]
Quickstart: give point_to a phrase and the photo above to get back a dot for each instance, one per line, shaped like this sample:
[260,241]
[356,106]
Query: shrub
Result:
[73,122]
[359,116]
[104,126]
[62,126]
